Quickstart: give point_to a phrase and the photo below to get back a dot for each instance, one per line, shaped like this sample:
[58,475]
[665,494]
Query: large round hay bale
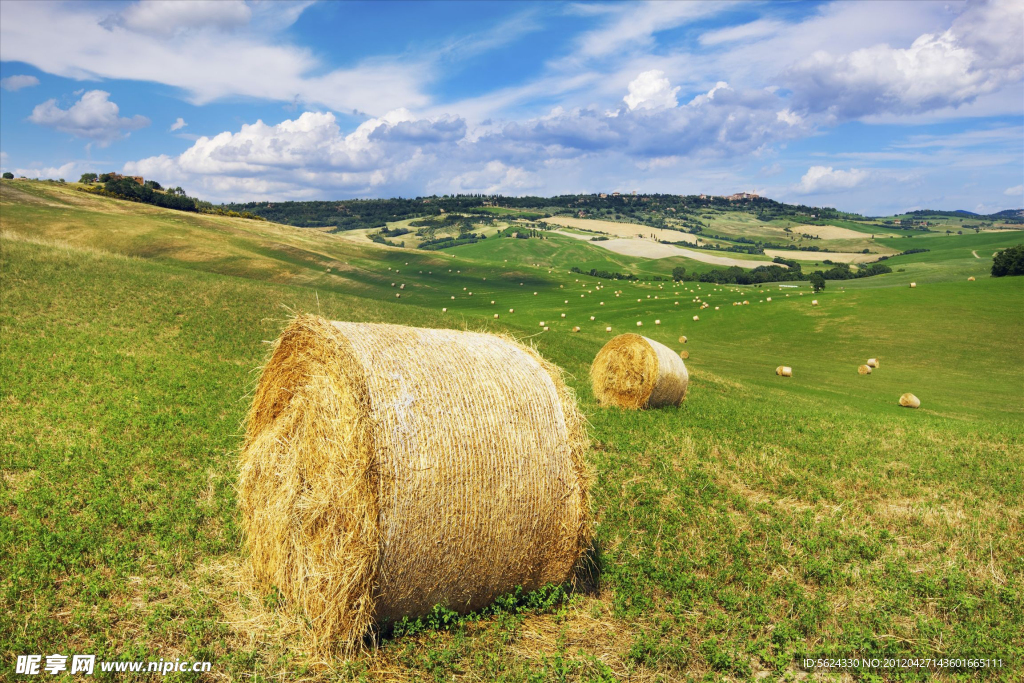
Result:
[872,362]
[784,371]
[910,401]
[634,372]
[389,469]
[863,370]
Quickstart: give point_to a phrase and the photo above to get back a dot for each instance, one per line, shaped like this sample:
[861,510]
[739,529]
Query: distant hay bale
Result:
[639,323]
[545,328]
[696,317]
[495,316]
[608,329]
[444,310]
[768,299]
[576,329]
[913,284]
[635,372]
[814,302]
[363,502]
[511,310]
[872,362]
[970,279]
[682,340]
[591,317]
[563,315]
[784,371]
[864,370]
[910,401]
[398,295]
[684,354]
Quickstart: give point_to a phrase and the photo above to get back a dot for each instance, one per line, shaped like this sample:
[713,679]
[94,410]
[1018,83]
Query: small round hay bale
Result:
[591,317]
[576,329]
[495,316]
[716,308]
[657,322]
[910,401]
[563,315]
[746,303]
[363,503]
[684,354]
[913,285]
[511,310]
[398,295]
[864,370]
[608,329]
[639,323]
[768,299]
[696,317]
[492,303]
[970,279]
[601,304]
[541,323]
[545,328]
[401,286]
[784,371]
[635,372]
[872,362]
[444,310]
[682,340]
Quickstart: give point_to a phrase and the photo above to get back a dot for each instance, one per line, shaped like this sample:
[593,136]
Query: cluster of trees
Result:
[606,274]
[842,271]
[449,241]
[1009,261]
[776,273]
[125,188]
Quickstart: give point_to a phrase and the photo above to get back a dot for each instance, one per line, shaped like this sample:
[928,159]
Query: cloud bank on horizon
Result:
[867,107]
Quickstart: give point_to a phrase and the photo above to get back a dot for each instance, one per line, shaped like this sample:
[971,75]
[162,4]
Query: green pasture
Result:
[763,521]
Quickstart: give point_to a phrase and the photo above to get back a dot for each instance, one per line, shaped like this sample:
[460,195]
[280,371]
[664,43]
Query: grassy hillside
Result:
[763,521]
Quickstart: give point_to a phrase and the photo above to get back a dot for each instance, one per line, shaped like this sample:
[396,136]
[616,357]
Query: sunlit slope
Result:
[762,521]
[958,345]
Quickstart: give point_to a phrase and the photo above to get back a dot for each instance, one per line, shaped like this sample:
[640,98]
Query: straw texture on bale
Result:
[910,401]
[632,371]
[388,469]
[784,371]
[864,370]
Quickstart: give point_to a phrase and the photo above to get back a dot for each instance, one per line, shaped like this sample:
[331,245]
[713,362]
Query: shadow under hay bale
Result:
[389,469]
[634,372]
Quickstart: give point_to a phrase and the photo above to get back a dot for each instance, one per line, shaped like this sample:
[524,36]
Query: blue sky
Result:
[874,107]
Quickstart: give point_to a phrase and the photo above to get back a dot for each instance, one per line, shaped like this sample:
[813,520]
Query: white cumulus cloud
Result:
[651,90]
[179,124]
[166,18]
[981,52]
[1014,191]
[826,178]
[94,117]
[13,83]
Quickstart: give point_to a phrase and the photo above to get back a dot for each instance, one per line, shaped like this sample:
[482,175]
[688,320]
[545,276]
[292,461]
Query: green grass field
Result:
[764,521]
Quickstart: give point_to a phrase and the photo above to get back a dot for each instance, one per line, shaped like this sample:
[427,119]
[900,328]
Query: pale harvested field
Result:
[656,250]
[840,257]
[622,229]
[829,232]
